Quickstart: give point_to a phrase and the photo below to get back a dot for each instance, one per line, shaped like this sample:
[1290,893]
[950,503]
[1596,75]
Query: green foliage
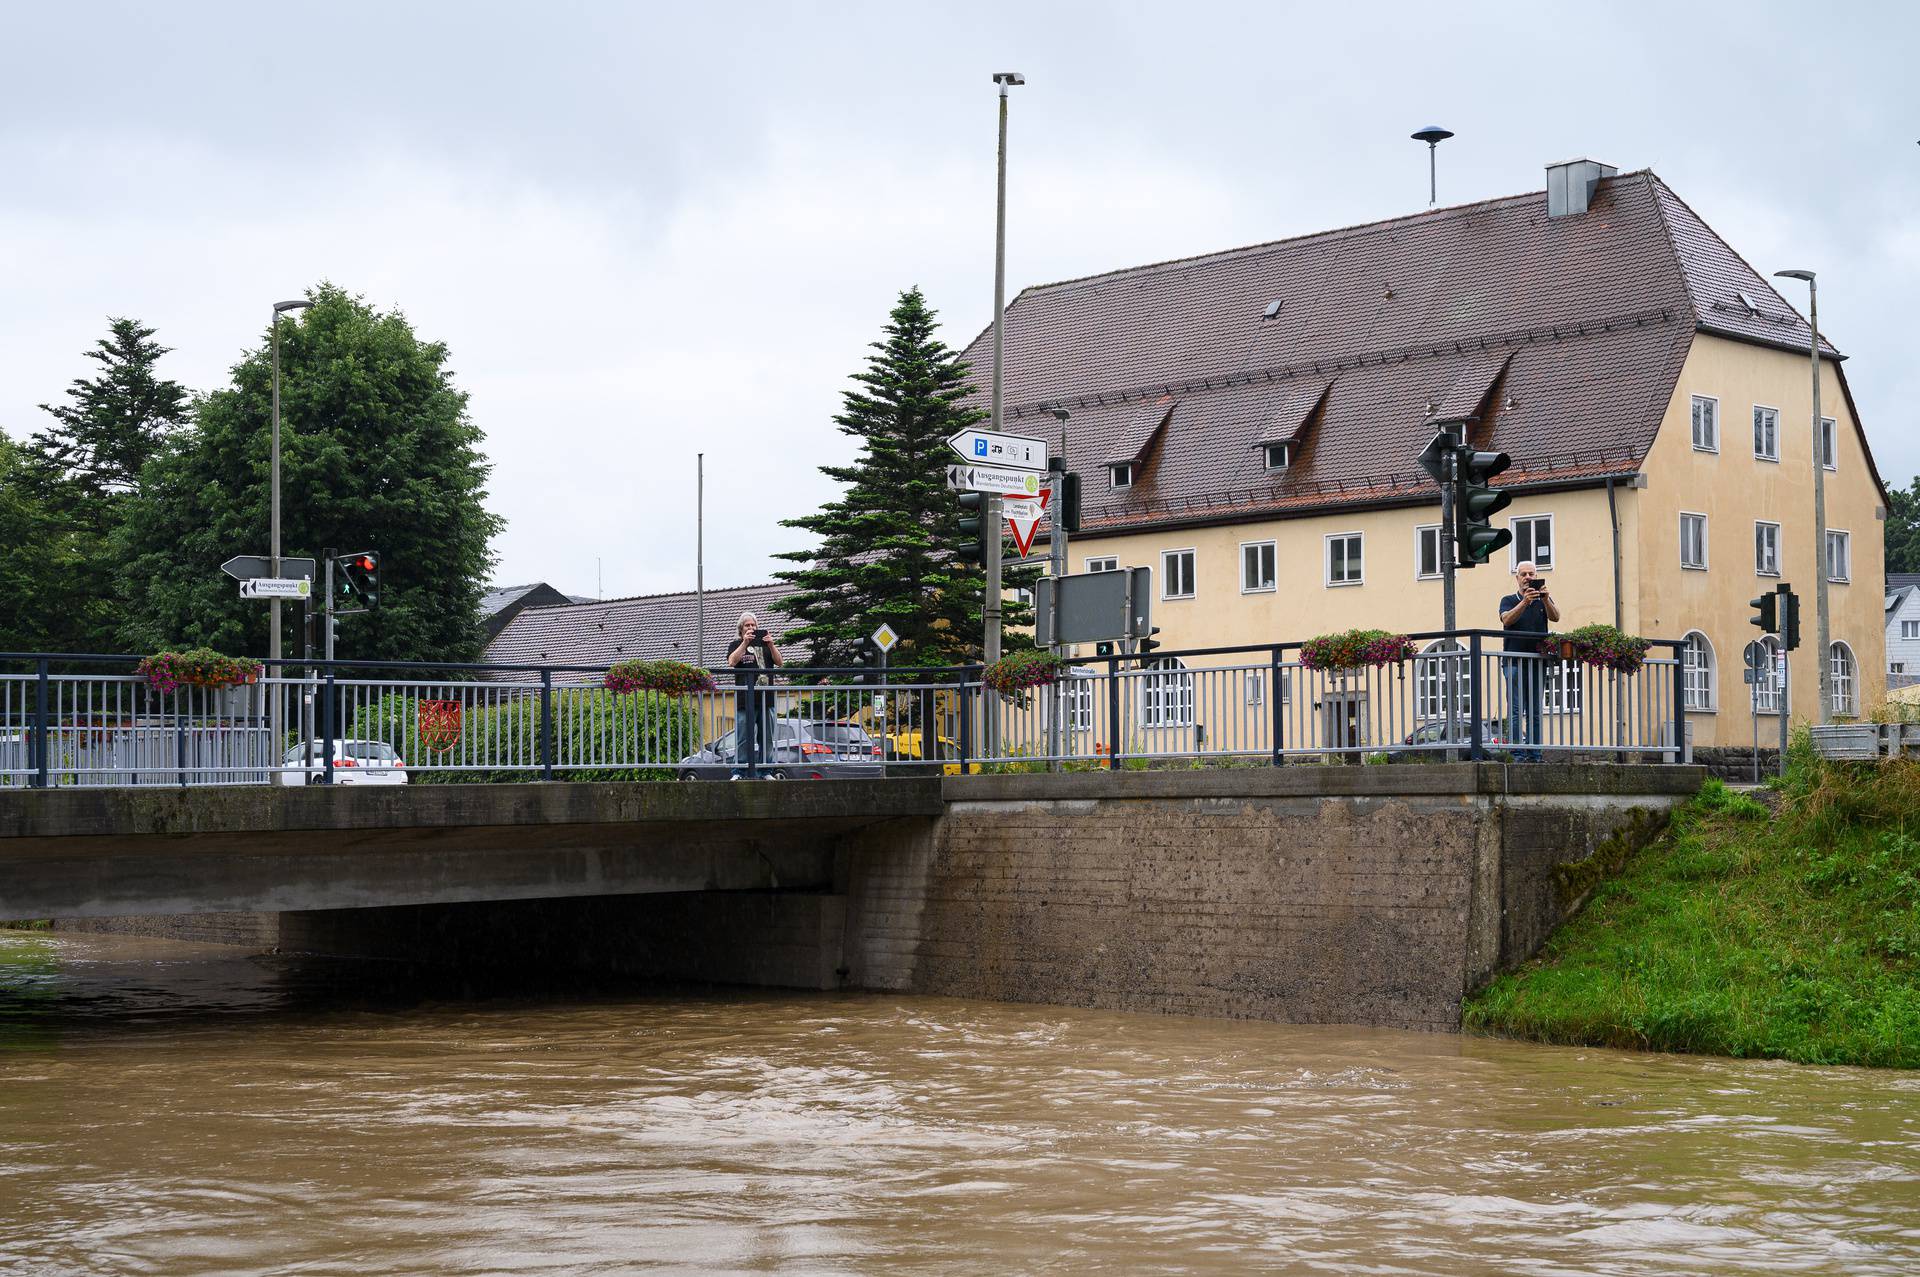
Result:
[1903,528]
[1351,649]
[1744,931]
[590,725]
[51,597]
[1016,673]
[1607,647]
[674,678]
[197,667]
[885,550]
[377,454]
[115,423]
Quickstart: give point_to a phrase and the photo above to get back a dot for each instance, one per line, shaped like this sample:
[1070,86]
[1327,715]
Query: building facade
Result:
[1247,424]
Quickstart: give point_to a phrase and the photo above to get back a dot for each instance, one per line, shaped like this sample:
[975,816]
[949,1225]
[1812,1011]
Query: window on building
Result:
[1176,574]
[1277,455]
[1256,567]
[1532,540]
[1706,424]
[1766,433]
[1839,555]
[1078,714]
[1693,541]
[1426,551]
[1897,667]
[1760,657]
[1103,565]
[1845,699]
[1344,554]
[1439,676]
[1560,689]
[1766,549]
[1696,673]
[1166,694]
[1829,444]
[1120,474]
[1910,629]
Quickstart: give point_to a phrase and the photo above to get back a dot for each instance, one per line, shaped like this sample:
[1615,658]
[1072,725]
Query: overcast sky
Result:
[648,231]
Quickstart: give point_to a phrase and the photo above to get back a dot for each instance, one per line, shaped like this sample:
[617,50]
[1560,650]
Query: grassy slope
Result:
[1792,934]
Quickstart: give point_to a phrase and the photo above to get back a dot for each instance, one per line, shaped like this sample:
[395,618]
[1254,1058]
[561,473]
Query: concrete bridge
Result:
[1372,895]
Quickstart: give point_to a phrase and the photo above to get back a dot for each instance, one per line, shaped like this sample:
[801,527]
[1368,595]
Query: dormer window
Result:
[1121,473]
[1277,455]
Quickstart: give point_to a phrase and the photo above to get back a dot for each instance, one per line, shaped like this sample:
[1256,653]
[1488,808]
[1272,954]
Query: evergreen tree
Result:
[1903,528]
[377,453]
[886,548]
[114,423]
[50,596]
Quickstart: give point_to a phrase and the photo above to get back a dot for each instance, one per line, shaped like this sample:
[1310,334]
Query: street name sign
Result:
[999,480]
[884,638]
[276,587]
[990,448]
[245,567]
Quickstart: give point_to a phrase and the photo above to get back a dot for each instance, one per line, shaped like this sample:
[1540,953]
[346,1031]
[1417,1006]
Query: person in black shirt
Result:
[752,650]
[1524,616]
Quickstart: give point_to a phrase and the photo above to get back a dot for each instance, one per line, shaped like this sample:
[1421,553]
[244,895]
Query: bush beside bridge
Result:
[594,730]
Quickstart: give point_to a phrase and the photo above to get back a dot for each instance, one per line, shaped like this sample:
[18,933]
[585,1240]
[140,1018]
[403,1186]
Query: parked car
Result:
[1493,735]
[908,747]
[803,749]
[355,762]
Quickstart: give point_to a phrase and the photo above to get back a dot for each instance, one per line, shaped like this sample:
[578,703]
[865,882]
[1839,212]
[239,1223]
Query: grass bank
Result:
[1789,933]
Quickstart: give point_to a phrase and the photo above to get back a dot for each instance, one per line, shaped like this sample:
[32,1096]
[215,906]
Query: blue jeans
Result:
[1523,675]
[764,747]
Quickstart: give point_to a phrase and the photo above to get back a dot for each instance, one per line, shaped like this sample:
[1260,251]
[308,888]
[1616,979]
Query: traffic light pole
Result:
[326,617]
[1448,609]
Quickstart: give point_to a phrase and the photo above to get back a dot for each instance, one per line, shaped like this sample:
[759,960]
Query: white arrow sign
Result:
[988,448]
[1011,483]
[276,587]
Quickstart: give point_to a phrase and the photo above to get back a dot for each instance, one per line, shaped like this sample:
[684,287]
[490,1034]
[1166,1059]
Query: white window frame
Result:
[1829,443]
[1844,669]
[1120,474]
[1513,547]
[1909,630]
[1701,566]
[1765,697]
[1326,559]
[1441,662]
[1712,404]
[1758,569]
[1166,693]
[1420,532]
[1104,563]
[1285,448]
[1844,539]
[1896,667]
[1272,549]
[1166,575]
[1699,675]
[1562,687]
[1758,455]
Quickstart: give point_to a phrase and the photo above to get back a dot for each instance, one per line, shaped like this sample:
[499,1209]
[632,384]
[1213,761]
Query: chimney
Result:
[1570,185]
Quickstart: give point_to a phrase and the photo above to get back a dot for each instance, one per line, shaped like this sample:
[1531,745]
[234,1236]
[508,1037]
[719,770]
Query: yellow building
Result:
[1247,423]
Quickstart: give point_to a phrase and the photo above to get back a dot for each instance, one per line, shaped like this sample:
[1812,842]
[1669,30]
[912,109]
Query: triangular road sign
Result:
[1023,530]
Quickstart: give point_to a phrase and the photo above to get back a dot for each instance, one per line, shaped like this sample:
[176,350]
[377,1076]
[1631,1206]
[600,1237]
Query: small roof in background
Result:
[643,627]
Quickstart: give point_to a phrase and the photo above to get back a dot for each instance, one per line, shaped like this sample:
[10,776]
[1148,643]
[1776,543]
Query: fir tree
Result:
[1903,528]
[114,423]
[885,549]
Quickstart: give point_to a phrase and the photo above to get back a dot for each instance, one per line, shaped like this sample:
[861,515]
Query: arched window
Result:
[1760,656]
[1438,673]
[1696,672]
[1166,695]
[1846,698]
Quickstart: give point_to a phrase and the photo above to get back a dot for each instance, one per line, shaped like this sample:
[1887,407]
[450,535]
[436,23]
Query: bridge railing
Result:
[89,720]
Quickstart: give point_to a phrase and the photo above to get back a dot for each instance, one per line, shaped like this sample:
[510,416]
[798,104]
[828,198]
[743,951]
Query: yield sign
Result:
[1023,518]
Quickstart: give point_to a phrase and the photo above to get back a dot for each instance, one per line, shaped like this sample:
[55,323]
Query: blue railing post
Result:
[546,724]
[966,725]
[326,724]
[749,743]
[1113,713]
[1475,700]
[929,733]
[1279,710]
[41,727]
[1679,703]
[180,738]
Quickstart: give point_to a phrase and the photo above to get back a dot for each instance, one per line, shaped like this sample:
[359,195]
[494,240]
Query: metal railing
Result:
[89,720]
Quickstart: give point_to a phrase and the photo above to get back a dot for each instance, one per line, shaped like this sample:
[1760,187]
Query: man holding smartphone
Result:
[1524,616]
[753,650]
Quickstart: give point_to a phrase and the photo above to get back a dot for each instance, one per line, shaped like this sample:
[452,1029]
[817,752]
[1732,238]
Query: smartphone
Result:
[759,634]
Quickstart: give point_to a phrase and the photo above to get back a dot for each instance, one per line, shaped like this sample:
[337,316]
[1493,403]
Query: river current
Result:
[179,1109]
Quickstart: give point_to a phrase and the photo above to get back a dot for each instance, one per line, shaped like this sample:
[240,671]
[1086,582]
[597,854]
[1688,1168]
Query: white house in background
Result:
[1903,629]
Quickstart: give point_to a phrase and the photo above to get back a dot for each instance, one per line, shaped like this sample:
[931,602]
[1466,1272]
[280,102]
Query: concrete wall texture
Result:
[1361,895]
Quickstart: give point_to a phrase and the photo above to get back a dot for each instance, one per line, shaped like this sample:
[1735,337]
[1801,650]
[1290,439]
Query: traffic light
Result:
[1766,613]
[1150,643]
[359,578]
[973,524]
[1789,612]
[1475,504]
[1069,502]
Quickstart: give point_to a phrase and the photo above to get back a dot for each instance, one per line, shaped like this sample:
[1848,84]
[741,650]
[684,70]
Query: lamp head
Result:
[1004,78]
[1432,135]
[280,308]
[1794,274]
[1060,412]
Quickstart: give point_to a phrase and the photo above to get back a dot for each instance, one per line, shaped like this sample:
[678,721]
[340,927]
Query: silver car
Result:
[355,762]
[803,749]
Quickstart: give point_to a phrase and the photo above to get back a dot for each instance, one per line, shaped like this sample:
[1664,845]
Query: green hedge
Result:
[589,724]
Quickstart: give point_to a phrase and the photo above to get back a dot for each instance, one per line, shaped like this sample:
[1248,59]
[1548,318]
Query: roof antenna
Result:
[1433,135]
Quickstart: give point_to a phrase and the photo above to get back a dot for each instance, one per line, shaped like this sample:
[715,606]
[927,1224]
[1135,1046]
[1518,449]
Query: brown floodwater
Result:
[178,1109]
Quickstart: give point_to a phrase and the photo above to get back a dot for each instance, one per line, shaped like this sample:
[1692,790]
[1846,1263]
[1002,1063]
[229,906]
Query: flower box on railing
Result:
[1012,677]
[1355,649]
[670,678]
[1602,646]
[197,667]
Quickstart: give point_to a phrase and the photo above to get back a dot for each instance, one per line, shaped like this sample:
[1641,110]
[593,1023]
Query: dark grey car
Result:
[803,749]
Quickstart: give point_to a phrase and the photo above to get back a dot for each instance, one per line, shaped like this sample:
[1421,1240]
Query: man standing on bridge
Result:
[752,650]
[1524,616]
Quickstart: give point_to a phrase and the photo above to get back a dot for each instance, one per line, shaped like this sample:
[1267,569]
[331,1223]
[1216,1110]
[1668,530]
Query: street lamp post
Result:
[273,534]
[990,508]
[1823,665]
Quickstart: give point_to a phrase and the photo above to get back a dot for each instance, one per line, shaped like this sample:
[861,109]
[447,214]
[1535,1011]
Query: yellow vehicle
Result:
[907,746]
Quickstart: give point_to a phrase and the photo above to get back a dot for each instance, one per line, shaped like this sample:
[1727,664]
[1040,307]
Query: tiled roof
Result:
[645,627]
[1578,325]
[1898,581]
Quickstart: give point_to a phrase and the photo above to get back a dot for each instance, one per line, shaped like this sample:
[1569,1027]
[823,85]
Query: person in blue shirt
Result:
[1524,616]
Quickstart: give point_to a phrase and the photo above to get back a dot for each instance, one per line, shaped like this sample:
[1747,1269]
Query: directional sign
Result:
[276,587]
[245,567]
[1000,480]
[988,448]
[884,638]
